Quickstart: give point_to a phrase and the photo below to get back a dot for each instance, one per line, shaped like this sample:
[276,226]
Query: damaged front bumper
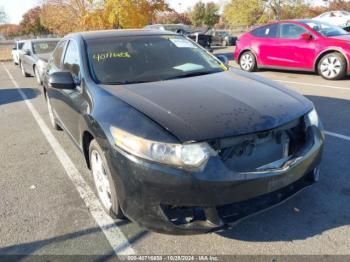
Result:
[174,201]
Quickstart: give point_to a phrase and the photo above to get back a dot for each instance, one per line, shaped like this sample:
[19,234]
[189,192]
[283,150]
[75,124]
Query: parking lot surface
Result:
[48,206]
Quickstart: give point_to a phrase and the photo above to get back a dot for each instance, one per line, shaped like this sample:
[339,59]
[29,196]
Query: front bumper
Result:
[175,201]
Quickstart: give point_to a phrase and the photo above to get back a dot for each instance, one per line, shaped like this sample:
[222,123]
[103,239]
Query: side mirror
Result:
[223,59]
[306,37]
[61,80]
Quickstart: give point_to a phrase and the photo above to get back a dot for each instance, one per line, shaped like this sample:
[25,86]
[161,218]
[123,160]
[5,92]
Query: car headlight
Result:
[191,156]
[312,118]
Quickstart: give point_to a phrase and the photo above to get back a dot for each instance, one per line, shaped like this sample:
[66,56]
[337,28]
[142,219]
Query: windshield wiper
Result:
[191,74]
[127,82]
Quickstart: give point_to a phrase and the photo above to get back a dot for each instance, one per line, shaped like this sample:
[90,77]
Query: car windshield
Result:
[325,29]
[138,59]
[44,47]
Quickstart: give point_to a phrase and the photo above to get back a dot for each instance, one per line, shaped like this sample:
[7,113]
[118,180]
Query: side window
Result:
[57,54]
[269,31]
[292,31]
[71,59]
[25,46]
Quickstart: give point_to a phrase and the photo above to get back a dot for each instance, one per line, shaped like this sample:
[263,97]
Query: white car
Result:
[337,18]
[16,51]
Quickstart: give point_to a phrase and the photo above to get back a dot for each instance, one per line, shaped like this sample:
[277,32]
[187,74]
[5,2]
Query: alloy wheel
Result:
[331,67]
[247,62]
[101,180]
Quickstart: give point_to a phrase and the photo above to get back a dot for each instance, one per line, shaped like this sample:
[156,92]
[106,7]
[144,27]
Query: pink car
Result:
[302,45]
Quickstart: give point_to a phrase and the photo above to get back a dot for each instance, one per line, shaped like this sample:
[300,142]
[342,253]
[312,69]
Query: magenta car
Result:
[302,45]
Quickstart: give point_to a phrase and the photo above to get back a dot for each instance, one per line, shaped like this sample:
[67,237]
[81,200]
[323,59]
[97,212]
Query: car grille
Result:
[263,150]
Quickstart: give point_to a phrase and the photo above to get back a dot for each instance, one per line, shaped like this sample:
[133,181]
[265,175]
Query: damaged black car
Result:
[175,139]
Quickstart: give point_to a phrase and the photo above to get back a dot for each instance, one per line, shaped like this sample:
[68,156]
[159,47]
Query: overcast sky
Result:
[16,8]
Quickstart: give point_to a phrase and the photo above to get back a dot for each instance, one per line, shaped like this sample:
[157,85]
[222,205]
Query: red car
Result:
[302,45]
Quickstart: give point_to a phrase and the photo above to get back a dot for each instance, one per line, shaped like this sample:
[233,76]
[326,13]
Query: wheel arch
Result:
[247,50]
[329,51]
[87,137]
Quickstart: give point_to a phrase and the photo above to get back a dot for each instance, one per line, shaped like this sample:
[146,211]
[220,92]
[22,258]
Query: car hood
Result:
[45,57]
[214,106]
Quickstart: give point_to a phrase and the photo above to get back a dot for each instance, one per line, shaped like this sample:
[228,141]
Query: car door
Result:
[291,50]
[69,102]
[263,43]
[24,56]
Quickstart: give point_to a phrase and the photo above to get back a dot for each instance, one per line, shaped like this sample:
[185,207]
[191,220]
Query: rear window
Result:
[44,47]
[268,31]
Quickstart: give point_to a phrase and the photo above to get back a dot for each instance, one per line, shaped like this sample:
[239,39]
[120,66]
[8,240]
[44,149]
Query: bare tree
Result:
[3,15]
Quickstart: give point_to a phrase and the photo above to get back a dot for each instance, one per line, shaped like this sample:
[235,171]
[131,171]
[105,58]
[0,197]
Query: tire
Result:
[332,66]
[106,194]
[24,73]
[37,75]
[51,115]
[247,62]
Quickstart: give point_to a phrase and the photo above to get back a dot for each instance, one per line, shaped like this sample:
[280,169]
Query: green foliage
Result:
[204,14]
[245,12]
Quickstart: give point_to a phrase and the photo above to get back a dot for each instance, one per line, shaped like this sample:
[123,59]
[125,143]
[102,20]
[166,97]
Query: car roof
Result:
[119,33]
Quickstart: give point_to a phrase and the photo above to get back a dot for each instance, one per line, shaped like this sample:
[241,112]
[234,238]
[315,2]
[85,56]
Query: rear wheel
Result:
[105,187]
[24,73]
[332,66]
[247,62]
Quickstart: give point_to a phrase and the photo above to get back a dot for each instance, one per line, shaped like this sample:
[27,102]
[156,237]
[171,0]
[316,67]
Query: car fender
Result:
[330,49]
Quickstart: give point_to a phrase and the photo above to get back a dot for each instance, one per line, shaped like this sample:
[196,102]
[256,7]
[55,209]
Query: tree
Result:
[205,14]
[64,16]
[31,22]
[172,18]
[245,12]
[211,14]
[3,15]
[198,14]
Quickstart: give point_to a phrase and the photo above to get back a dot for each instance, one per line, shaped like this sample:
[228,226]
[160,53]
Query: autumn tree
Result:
[251,12]
[173,18]
[10,30]
[205,14]
[31,22]
[65,16]
[245,12]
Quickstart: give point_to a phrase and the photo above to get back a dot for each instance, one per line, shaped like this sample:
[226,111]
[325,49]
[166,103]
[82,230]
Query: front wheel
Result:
[332,66]
[105,187]
[247,62]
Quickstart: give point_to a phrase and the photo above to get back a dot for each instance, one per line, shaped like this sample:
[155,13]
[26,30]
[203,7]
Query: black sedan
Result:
[34,55]
[176,141]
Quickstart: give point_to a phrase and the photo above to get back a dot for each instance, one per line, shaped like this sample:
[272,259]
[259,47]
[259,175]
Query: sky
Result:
[16,8]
